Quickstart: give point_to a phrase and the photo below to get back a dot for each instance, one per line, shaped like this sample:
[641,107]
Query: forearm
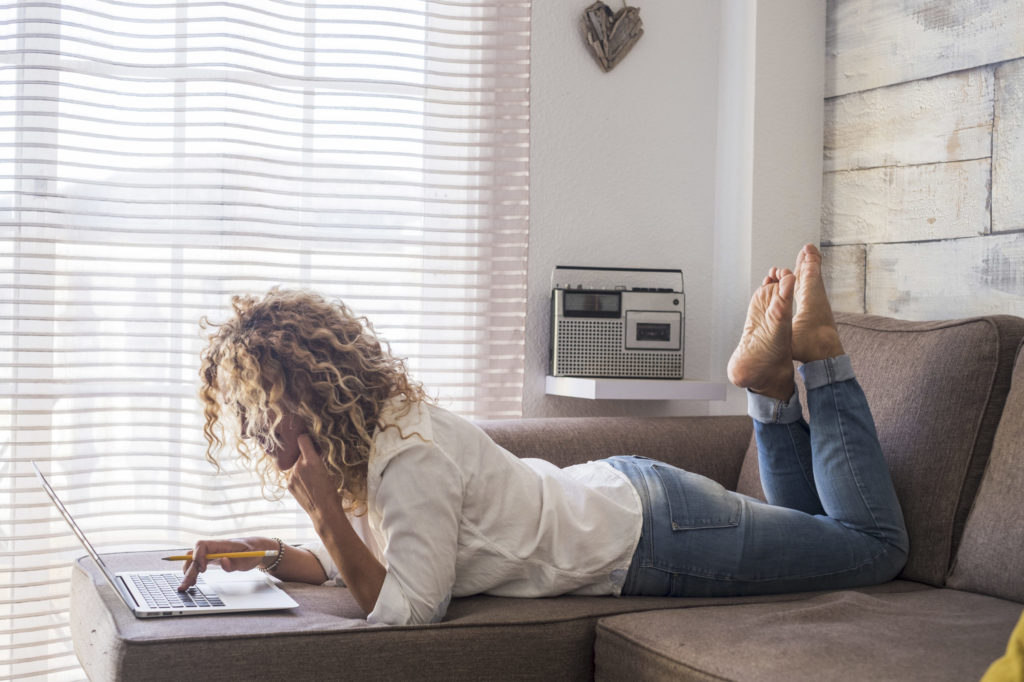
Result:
[359,568]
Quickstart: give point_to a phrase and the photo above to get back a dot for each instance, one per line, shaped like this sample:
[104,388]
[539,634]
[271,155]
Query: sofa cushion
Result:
[933,634]
[936,391]
[990,558]
[326,638]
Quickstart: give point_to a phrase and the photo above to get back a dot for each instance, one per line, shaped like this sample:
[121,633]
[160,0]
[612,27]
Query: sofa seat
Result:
[481,637]
[931,634]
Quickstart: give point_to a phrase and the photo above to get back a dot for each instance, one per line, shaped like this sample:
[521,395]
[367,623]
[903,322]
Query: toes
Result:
[781,306]
[787,283]
[811,253]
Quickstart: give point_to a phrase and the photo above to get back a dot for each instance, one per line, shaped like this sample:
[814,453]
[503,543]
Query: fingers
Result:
[306,447]
[199,563]
[191,575]
[309,463]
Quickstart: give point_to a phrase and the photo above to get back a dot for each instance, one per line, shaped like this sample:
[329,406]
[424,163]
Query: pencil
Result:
[224,555]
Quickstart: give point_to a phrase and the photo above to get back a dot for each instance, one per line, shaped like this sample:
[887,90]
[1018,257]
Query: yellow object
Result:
[224,555]
[1009,668]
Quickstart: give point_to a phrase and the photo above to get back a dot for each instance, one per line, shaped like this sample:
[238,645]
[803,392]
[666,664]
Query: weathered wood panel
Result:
[842,268]
[947,118]
[1008,148]
[872,43]
[906,204]
[947,279]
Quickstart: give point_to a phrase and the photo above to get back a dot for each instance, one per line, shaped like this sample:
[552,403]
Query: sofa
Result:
[948,400]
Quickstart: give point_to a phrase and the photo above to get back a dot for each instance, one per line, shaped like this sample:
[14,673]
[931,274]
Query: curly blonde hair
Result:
[295,353]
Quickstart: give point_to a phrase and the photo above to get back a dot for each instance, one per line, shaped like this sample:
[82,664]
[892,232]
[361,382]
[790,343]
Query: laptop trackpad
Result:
[243,590]
[242,594]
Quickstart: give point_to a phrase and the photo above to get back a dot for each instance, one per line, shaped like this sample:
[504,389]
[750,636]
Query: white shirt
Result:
[450,513]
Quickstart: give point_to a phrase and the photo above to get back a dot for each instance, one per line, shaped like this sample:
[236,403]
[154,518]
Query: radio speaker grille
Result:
[593,348]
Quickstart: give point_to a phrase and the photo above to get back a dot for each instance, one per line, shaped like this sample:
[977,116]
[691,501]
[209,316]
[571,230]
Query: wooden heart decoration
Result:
[611,35]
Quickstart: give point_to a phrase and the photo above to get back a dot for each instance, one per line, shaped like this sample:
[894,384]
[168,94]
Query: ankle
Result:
[780,391]
[779,385]
[824,344]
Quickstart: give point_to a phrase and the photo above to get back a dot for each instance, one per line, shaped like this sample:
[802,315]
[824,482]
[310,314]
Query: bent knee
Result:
[892,559]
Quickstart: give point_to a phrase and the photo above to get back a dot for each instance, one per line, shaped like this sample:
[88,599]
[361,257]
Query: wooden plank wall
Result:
[923,191]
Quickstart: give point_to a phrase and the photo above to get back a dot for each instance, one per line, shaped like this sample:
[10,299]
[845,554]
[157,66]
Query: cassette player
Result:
[617,323]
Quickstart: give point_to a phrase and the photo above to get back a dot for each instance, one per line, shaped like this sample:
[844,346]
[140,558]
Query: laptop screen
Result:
[74,527]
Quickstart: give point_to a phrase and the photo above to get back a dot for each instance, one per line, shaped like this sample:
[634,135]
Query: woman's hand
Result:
[312,485]
[199,562]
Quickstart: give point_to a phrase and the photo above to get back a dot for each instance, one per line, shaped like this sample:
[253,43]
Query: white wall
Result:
[678,158]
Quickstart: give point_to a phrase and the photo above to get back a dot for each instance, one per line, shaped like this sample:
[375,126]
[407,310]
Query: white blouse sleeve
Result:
[419,502]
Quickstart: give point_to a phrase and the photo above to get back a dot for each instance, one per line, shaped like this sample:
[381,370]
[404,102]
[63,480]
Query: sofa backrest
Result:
[936,391]
[712,446]
[990,558]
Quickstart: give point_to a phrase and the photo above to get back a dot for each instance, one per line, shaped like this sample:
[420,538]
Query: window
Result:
[158,157]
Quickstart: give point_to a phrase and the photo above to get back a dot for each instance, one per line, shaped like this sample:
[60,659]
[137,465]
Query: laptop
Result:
[151,594]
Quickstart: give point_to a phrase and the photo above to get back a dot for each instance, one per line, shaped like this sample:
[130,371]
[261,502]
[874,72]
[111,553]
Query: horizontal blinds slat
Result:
[291,165]
[260,244]
[371,58]
[513,131]
[480,99]
[319,152]
[506,84]
[514,236]
[322,16]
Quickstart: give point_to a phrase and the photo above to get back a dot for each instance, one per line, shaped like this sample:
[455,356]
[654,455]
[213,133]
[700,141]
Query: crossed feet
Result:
[773,336]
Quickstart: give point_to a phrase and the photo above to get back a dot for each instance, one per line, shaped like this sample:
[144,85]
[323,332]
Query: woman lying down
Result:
[307,396]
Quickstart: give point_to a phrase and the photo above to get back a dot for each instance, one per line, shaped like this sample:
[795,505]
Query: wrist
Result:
[269,564]
[330,521]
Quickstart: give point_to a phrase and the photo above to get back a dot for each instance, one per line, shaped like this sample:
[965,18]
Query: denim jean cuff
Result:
[828,371]
[772,410]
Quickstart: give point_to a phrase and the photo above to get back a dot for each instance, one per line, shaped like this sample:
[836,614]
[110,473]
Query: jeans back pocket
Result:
[696,502]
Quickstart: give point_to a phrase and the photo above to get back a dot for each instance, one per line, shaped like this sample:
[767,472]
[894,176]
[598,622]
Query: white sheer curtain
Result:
[156,157]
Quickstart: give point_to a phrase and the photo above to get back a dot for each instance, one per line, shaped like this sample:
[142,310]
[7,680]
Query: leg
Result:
[850,472]
[763,363]
[703,540]
[846,471]
[784,458]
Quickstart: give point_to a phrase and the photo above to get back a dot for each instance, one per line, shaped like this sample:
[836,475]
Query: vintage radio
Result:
[617,322]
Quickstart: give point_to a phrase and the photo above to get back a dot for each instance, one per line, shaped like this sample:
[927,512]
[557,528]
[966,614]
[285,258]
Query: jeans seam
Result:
[646,527]
[884,548]
[803,470]
[846,456]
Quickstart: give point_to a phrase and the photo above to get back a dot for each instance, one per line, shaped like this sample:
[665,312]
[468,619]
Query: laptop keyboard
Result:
[160,591]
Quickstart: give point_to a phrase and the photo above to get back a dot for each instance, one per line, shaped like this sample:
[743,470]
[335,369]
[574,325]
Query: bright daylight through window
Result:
[158,157]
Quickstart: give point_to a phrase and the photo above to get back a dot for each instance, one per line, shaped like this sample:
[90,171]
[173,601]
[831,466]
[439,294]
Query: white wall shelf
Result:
[634,389]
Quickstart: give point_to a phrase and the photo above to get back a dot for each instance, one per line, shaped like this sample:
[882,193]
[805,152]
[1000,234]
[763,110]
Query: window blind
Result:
[157,157]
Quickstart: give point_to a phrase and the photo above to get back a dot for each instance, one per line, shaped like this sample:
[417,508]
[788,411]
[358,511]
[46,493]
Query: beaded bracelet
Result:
[277,560]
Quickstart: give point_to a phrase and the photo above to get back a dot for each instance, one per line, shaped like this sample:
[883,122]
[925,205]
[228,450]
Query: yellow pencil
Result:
[224,555]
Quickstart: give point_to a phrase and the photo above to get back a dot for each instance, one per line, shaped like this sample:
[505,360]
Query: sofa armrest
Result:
[712,446]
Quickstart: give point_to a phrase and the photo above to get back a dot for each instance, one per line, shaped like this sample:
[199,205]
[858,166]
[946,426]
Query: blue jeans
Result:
[832,520]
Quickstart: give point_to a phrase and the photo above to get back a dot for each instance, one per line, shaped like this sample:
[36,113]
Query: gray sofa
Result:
[948,399]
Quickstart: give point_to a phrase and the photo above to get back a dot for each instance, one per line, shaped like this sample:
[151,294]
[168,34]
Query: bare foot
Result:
[814,331]
[763,360]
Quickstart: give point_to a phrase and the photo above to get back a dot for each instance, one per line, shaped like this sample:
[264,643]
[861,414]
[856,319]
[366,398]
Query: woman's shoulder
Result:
[414,424]
[401,423]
